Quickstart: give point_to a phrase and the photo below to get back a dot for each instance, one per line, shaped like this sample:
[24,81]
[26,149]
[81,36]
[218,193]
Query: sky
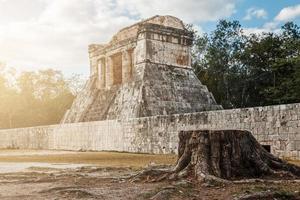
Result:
[40,34]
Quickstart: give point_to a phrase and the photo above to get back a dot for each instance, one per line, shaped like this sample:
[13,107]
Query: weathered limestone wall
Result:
[278,126]
[27,138]
[164,45]
[97,136]
[145,70]
[156,89]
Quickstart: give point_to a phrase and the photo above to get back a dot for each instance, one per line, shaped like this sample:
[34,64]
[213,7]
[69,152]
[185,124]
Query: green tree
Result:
[9,105]
[273,61]
[249,70]
[35,98]
[217,64]
[46,96]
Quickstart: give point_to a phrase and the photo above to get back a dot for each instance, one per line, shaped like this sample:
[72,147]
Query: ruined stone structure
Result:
[276,127]
[142,92]
[145,70]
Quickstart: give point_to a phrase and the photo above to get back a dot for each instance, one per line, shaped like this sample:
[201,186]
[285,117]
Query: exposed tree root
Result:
[268,195]
[227,156]
[151,175]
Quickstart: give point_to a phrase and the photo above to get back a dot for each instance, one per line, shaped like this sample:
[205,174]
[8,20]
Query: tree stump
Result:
[228,154]
[222,156]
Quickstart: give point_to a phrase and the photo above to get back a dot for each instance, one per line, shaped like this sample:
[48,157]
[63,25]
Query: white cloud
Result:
[189,10]
[288,13]
[255,30]
[273,25]
[257,13]
[266,28]
[42,33]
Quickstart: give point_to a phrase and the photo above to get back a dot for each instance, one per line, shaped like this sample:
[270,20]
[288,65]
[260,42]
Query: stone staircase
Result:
[98,109]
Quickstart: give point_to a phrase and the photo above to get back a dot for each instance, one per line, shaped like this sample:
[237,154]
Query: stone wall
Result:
[277,126]
[27,138]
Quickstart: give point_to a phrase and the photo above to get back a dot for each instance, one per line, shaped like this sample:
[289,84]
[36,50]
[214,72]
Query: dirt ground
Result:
[104,175]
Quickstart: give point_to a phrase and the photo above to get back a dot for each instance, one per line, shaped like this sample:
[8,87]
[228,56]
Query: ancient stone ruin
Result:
[142,92]
[216,155]
[145,70]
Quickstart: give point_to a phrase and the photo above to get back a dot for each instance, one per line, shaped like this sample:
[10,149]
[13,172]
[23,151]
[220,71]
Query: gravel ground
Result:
[104,175]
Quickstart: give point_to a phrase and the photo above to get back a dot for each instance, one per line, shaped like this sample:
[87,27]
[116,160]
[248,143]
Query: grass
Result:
[296,162]
[106,159]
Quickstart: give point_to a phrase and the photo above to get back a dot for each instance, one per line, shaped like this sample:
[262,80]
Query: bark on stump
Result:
[228,154]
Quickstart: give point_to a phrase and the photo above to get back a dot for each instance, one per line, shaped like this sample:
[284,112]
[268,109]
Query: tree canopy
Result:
[34,98]
[244,70]
[241,70]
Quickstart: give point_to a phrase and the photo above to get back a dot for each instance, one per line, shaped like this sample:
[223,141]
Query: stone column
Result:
[93,64]
[126,66]
[132,57]
[190,57]
[101,73]
[109,72]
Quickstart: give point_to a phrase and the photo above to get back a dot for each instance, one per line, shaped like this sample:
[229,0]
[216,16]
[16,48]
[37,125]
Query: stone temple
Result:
[145,70]
[142,92]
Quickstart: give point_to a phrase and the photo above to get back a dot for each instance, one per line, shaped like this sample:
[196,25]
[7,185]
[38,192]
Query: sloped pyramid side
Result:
[120,101]
[81,103]
[173,90]
[154,90]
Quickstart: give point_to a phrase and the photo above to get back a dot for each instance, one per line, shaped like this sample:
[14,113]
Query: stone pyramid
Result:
[145,70]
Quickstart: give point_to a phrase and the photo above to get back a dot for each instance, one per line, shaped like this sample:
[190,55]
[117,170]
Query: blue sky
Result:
[39,34]
[271,7]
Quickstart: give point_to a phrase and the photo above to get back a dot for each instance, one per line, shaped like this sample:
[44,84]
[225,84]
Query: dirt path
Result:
[112,184]
[100,176]
[83,183]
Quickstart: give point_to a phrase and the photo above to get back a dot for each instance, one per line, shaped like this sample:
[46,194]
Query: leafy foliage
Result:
[34,98]
[249,70]
[240,70]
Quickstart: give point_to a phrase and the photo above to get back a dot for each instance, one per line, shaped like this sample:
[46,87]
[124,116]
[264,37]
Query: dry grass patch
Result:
[109,159]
